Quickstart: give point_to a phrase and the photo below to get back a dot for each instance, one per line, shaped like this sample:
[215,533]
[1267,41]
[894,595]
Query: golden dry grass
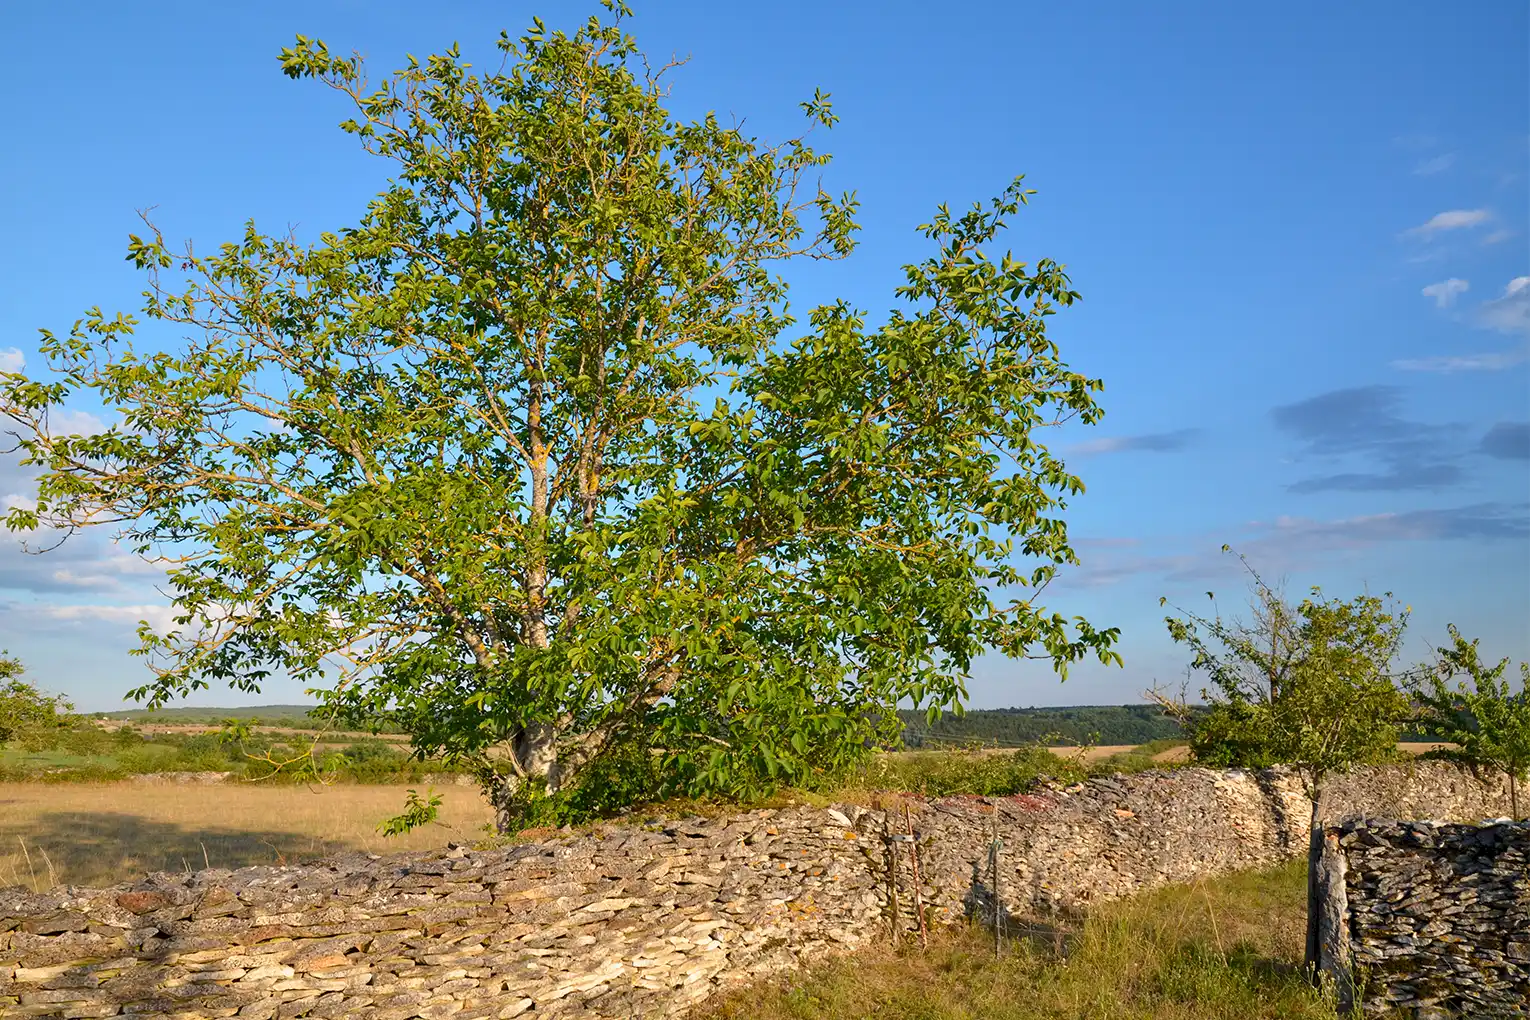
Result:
[102,833]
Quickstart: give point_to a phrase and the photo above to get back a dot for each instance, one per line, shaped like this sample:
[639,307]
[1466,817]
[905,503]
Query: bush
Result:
[1234,734]
[942,773]
[26,713]
[371,750]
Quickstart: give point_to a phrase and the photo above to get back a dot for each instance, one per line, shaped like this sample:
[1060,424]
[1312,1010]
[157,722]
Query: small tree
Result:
[24,709]
[1488,721]
[533,462]
[1311,686]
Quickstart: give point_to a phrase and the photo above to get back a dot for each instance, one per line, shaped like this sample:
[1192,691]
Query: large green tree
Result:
[533,459]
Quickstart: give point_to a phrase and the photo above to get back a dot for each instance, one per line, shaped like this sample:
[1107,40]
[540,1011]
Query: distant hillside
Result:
[1003,727]
[1074,724]
[294,716]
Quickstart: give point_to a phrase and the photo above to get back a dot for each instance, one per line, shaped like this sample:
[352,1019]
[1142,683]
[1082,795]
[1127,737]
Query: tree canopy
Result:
[25,709]
[1312,685]
[1463,700]
[535,460]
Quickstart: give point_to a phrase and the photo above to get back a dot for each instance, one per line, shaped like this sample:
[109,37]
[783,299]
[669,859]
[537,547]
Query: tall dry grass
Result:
[95,834]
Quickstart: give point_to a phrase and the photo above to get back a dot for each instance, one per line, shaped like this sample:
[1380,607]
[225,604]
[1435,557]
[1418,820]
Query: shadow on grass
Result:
[1054,938]
[1195,966]
[104,848]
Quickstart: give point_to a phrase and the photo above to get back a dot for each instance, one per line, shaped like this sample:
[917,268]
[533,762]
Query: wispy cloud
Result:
[12,360]
[1363,422]
[1447,364]
[1507,440]
[1498,236]
[1454,219]
[1436,165]
[1508,313]
[1478,521]
[1289,544]
[1445,292]
[1400,478]
[1153,442]
[160,616]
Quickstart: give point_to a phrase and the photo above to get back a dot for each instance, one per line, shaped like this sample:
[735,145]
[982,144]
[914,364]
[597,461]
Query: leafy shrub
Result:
[371,749]
[1234,734]
[628,774]
[26,712]
[942,773]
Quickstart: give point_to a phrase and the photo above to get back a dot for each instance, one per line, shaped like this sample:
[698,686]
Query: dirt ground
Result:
[101,833]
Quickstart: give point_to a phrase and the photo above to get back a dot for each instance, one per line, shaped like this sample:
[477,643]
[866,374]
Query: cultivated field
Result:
[101,833]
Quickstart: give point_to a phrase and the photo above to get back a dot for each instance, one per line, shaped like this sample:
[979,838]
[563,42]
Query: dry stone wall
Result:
[646,920]
[1429,920]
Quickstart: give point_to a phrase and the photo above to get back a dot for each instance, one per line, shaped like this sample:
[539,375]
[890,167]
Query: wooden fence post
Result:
[1336,966]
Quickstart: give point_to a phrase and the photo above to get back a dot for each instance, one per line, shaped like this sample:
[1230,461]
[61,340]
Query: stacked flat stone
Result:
[646,920]
[1439,917]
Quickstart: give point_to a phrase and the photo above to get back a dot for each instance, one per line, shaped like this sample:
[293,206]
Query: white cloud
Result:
[1454,219]
[161,617]
[12,360]
[1439,164]
[1491,361]
[1497,236]
[110,572]
[1511,312]
[1446,291]
[1153,442]
[1105,444]
[63,422]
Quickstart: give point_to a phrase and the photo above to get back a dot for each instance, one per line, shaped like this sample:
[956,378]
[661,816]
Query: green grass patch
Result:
[984,773]
[1221,949]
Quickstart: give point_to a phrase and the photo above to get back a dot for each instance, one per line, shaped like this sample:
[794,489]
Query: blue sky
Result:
[1300,231]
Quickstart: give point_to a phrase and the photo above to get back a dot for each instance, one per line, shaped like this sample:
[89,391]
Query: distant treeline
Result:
[295,717]
[1077,724]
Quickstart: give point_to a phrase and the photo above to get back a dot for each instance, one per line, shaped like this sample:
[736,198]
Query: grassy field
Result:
[1224,949]
[101,833]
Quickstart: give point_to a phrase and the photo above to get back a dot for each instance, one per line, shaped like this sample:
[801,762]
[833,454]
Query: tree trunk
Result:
[535,750]
[501,792]
[1314,857]
[1513,798]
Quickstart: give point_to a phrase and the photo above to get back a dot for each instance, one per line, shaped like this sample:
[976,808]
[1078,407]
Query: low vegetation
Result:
[90,754]
[1223,949]
[1016,727]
